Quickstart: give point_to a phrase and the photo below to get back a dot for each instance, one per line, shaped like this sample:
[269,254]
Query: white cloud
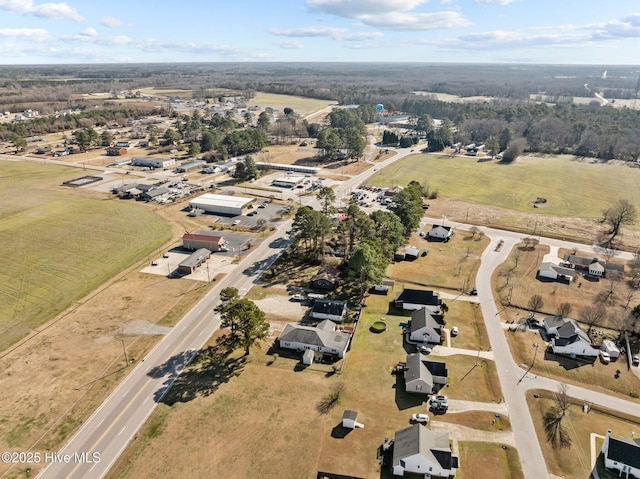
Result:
[309,32]
[626,27]
[33,34]
[416,21]
[89,32]
[46,10]
[290,45]
[111,22]
[500,2]
[356,8]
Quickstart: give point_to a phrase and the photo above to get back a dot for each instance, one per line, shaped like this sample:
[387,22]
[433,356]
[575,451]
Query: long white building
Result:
[222,204]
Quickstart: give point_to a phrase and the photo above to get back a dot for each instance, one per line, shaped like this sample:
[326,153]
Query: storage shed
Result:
[610,347]
[349,420]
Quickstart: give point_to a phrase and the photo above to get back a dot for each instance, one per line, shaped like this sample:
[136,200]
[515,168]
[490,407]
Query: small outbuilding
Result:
[308,357]
[349,420]
[610,347]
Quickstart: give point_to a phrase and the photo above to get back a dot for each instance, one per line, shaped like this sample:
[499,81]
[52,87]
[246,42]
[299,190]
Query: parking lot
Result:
[216,264]
[253,216]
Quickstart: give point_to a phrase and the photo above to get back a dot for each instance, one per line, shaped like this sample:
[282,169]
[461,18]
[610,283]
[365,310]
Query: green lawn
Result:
[59,244]
[572,186]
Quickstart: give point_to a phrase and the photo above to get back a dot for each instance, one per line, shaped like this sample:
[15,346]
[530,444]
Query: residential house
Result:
[622,455]
[418,450]
[322,338]
[424,327]
[329,309]
[440,232]
[553,270]
[422,376]
[116,151]
[327,279]
[570,339]
[593,266]
[411,299]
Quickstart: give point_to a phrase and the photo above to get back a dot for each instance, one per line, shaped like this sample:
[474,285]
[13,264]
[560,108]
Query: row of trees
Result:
[367,241]
[346,132]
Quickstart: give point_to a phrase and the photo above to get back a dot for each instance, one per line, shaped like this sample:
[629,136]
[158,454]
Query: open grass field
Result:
[59,245]
[576,461]
[489,461]
[224,406]
[452,265]
[568,183]
[301,105]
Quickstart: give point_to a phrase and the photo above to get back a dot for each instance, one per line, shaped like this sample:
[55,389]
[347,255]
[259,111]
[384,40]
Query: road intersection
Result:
[115,423]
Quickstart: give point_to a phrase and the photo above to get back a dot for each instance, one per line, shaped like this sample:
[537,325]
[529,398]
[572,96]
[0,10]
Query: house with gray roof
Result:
[622,455]
[440,232]
[323,338]
[411,299]
[570,339]
[418,450]
[593,266]
[422,376]
[424,327]
[329,309]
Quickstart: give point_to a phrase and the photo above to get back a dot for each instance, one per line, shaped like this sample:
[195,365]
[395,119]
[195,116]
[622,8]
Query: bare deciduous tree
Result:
[564,309]
[535,303]
[622,213]
[593,315]
[554,429]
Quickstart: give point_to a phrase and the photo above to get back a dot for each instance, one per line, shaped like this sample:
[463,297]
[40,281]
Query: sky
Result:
[453,31]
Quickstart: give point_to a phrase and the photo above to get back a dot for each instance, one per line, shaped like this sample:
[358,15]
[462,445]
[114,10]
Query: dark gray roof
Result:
[350,415]
[579,260]
[554,321]
[437,368]
[421,318]
[417,439]
[328,306]
[624,451]
[152,193]
[418,296]
[417,370]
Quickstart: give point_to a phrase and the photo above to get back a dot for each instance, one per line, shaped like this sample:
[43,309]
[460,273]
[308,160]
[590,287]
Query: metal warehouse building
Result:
[186,166]
[203,239]
[222,204]
[153,162]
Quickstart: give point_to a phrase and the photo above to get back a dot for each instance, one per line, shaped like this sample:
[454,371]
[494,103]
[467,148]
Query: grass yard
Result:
[517,277]
[225,405]
[60,244]
[483,420]
[301,105]
[485,460]
[574,371]
[452,265]
[576,461]
[517,185]
[468,318]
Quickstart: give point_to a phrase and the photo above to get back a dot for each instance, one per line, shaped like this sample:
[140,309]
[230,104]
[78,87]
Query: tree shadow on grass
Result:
[210,368]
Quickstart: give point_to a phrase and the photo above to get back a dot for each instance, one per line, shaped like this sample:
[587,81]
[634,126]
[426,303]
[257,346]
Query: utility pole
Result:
[534,356]
[124,349]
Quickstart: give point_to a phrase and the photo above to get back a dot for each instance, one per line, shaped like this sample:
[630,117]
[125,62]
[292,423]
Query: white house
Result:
[622,455]
[440,232]
[411,299]
[423,327]
[572,341]
[418,450]
[553,270]
[323,338]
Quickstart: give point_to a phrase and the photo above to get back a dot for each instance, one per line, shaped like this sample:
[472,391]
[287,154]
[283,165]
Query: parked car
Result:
[605,357]
[423,234]
[425,349]
[454,331]
[439,402]
[236,222]
[473,292]
[635,360]
[423,418]
[298,297]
